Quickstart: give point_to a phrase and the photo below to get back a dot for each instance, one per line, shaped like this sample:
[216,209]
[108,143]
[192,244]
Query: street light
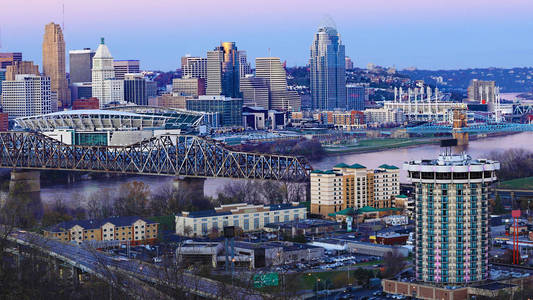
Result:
[316,284]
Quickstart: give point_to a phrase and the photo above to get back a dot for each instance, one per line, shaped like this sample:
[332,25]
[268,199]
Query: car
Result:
[157,259]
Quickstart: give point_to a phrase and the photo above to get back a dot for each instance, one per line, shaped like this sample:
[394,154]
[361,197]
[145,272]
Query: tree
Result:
[393,263]
[22,209]
[133,198]
[497,207]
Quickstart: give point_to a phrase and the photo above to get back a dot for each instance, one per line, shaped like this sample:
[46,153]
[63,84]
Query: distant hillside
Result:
[509,80]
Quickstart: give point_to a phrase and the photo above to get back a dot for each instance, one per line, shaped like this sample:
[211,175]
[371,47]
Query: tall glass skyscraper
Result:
[328,73]
[223,71]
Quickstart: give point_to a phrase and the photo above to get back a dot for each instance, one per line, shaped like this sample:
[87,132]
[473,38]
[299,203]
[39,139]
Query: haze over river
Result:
[478,148]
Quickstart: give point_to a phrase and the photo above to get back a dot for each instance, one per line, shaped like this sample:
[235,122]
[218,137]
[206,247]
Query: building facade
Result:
[248,217]
[244,66]
[452,229]
[192,87]
[133,230]
[327,70]
[135,89]
[194,67]
[123,67]
[81,65]
[355,97]
[272,71]
[7,58]
[54,62]
[353,186]
[223,71]
[21,67]
[229,109]
[255,92]
[103,71]
[28,95]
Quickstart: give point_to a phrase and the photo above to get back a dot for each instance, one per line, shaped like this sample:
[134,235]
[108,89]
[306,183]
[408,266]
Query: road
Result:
[136,274]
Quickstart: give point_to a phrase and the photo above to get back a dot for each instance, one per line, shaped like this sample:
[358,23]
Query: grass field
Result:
[525,183]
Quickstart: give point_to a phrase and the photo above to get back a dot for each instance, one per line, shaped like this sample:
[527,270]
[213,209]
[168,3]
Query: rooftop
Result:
[97,223]
[462,159]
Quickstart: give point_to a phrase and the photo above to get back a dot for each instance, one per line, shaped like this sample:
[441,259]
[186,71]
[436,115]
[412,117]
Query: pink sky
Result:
[285,26]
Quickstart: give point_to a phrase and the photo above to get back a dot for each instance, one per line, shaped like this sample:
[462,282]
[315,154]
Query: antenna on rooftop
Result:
[447,145]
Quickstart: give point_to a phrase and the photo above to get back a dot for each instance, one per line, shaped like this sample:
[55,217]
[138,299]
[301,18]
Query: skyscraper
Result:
[103,71]
[135,89]
[271,70]
[355,97]
[81,64]
[452,227]
[122,67]
[54,62]
[223,71]
[328,74]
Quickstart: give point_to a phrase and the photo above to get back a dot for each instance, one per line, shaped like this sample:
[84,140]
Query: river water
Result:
[477,149]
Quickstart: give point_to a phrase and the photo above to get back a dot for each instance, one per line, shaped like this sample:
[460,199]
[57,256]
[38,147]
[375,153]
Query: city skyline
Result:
[442,34]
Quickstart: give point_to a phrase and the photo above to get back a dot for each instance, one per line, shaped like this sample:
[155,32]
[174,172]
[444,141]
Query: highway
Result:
[131,276]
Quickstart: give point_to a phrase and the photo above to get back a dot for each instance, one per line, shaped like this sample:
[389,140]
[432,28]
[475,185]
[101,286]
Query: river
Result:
[478,148]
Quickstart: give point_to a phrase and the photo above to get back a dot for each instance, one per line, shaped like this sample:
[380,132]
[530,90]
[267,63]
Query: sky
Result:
[427,34]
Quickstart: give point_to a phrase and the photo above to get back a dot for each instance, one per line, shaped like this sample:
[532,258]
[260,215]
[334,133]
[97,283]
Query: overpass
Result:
[165,155]
[135,278]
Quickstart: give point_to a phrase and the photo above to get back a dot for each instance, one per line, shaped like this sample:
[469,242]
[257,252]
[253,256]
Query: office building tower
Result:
[113,92]
[81,65]
[327,70]
[229,109]
[353,186]
[135,89]
[355,97]
[348,63]
[103,70]
[193,87]
[21,67]
[54,62]
[244,65]
[7,58]
[194,67]
[452,227]
[223,71]
[28,95]
[272,71]
[255,92]
[122,67]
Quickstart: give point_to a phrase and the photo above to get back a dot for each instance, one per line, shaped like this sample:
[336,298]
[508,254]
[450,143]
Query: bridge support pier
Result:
[462,138]
[31,180]
[191,187]
[76,274]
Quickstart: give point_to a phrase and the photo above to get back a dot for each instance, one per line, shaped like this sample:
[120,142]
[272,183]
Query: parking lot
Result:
[329,262]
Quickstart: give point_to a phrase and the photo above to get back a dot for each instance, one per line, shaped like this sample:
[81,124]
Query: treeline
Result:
[136,198]
[310,149]
[514,163]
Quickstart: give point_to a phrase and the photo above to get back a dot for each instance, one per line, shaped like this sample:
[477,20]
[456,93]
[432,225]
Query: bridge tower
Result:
[460,122]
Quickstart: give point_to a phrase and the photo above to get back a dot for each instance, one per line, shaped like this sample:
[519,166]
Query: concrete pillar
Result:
[190,186]
[30,179]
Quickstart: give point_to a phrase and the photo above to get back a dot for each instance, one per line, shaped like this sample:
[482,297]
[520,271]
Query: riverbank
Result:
[381,144]
[371,145]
